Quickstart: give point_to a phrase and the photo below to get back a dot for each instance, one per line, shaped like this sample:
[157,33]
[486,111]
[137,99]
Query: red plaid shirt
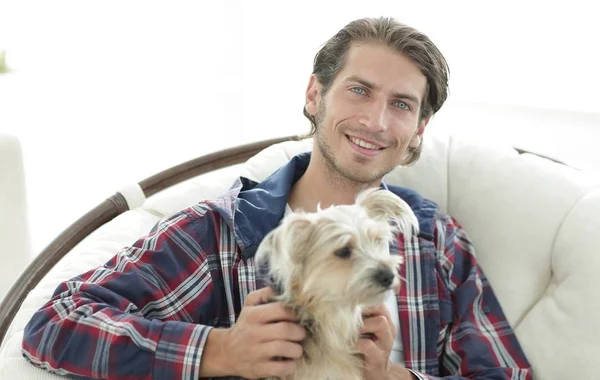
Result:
[147,312]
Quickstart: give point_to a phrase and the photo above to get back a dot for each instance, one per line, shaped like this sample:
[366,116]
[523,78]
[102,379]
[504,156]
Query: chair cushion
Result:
[533,223]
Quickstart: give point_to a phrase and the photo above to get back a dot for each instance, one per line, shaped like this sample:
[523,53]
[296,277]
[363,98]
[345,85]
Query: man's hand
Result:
[377,338]
[264,342]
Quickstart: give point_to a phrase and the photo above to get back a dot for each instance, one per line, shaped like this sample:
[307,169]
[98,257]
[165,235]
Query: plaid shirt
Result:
[148,311]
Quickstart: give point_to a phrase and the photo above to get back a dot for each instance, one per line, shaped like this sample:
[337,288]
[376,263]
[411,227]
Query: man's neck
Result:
[319,185]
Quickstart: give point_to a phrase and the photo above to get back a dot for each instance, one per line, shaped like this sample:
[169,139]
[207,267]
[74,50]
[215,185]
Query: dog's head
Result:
[339,254]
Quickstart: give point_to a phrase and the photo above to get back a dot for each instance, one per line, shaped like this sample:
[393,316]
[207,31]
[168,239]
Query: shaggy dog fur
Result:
[328,266]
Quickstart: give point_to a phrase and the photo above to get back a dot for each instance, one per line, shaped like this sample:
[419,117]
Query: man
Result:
[185,302]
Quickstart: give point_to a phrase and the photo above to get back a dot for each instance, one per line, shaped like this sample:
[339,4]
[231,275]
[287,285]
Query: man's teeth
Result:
[363,144]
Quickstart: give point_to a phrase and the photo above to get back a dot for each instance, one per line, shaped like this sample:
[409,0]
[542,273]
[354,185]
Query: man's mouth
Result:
[364,144]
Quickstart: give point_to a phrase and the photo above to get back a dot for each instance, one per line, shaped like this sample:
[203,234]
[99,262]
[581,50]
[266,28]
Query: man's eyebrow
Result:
[373,86]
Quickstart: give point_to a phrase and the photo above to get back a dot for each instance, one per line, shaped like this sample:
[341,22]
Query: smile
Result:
[364,144]
[364,147]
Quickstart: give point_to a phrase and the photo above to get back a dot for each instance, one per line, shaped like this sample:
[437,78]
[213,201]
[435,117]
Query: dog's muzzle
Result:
[384,277]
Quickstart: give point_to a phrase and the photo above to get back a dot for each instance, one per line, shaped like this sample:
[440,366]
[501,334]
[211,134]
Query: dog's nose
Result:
[384,277]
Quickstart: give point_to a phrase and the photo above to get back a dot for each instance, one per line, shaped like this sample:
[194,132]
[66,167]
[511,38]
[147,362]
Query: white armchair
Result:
[14,233]
[535,224]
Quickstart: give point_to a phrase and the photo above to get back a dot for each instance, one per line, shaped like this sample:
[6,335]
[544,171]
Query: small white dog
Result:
[331,264]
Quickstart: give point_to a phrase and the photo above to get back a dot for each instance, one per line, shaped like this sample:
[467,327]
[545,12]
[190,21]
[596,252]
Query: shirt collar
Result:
[260,206]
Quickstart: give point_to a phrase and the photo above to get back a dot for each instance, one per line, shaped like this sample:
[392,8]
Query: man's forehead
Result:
[384,68]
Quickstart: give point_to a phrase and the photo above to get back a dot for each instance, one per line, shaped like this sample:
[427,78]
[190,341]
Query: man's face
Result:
[370,114]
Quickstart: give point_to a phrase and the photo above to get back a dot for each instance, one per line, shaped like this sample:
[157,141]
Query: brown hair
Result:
[391,33]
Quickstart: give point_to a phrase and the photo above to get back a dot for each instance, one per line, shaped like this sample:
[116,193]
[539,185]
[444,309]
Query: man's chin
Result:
[360,177]
[361,172]
[351,167]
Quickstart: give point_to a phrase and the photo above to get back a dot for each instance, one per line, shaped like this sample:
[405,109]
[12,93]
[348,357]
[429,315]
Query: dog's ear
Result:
[384,205]
[296,232]
[281,249]
[267,248]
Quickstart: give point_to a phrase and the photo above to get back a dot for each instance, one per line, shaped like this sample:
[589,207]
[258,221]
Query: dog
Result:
[328,266]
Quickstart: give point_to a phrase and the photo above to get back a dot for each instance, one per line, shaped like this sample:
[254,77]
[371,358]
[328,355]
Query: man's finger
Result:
[372,355]
[375,310]
[381,310]
[367,347]
[259,297]
[282,349]
[283,331]
[379,327]
[272,312]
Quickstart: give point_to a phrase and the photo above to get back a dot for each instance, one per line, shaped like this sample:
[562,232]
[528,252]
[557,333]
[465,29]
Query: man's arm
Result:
[132,317]
[480,344]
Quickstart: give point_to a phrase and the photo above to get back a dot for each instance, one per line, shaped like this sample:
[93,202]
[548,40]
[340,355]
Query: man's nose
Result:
[375,116]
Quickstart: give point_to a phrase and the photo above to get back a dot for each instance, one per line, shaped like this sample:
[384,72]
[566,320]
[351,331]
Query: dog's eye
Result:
[343,253]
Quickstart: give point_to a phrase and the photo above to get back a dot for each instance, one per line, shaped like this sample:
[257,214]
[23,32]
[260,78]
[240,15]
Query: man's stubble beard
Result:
[338,173]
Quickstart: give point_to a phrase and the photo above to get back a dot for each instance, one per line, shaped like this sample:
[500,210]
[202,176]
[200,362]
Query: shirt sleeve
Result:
[132,317]
[480,343]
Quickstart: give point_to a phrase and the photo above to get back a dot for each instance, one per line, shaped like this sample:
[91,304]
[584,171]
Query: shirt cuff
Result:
[179,350]
[418,375]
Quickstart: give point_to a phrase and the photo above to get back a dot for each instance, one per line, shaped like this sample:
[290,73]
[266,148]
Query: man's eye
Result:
[358,90]
[402,105]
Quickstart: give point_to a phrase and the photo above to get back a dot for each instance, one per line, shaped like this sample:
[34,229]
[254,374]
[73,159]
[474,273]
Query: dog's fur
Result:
[324,266]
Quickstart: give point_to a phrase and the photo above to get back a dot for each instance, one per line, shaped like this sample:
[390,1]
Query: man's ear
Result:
[417,139]
[313,95]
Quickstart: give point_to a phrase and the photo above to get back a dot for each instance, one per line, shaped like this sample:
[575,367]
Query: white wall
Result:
[107,93]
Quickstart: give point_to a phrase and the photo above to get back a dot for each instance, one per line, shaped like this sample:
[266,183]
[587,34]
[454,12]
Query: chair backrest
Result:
[534,224]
